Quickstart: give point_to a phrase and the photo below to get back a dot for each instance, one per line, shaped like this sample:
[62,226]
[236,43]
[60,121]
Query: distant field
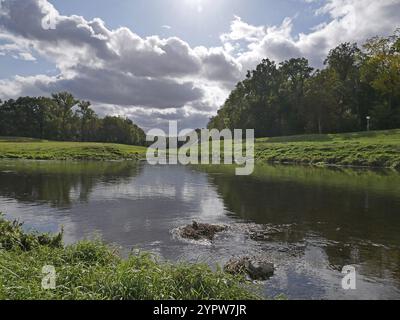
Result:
[26,148]
[370,149]
[377,136]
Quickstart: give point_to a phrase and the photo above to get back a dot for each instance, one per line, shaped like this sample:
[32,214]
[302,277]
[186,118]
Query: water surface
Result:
[323,218]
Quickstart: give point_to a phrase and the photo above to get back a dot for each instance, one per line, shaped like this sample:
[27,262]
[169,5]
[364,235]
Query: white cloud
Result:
[241,30]
[27,56]
[350,21]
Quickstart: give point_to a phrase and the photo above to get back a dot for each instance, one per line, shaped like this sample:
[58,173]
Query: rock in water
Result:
[255,268]
[260,270]
[200,231]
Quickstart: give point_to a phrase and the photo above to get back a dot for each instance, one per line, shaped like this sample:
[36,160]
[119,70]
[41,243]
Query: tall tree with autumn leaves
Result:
[293,98]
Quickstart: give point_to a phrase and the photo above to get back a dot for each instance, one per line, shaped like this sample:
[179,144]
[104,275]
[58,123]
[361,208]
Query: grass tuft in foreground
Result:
[91,270]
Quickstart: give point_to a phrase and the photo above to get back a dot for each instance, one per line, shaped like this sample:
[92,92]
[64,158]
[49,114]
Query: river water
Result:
[318,219]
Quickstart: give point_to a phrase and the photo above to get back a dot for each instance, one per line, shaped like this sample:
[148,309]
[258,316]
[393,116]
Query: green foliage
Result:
[13,237]
[292,98]
[91,270]
[118,130]
[64,118]
[381,71]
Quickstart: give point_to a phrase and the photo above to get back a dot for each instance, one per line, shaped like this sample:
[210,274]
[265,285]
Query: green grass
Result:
[25,148]
[369,149]
[90,270]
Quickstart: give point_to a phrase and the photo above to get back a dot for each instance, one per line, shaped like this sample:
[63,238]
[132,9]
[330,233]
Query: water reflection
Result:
[127,203]
[326,218]
[352,215]
[60,184]
[339,203]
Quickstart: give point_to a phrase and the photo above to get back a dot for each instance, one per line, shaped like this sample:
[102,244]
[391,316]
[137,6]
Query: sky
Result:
[159,60]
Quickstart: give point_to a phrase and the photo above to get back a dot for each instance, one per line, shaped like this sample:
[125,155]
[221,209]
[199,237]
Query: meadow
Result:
[380,149]
[362,149]
[32,149]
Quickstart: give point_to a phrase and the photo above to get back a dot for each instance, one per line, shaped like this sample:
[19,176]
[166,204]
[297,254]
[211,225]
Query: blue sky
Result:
[146,17]
[159,60]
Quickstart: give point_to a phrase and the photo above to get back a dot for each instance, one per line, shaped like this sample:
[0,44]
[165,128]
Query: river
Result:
[321,218]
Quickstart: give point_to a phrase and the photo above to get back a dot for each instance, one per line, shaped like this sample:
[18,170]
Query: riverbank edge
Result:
[91,270]
[395,166]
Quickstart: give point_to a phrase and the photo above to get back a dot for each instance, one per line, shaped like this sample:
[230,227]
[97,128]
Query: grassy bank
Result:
[370,149]
[21,148]
[91,270]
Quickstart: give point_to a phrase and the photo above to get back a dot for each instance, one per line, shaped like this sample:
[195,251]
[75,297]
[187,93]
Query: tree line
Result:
[64,118]
[356,86]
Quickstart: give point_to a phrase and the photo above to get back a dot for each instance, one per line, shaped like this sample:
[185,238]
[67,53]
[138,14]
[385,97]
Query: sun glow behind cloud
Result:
[197,5]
